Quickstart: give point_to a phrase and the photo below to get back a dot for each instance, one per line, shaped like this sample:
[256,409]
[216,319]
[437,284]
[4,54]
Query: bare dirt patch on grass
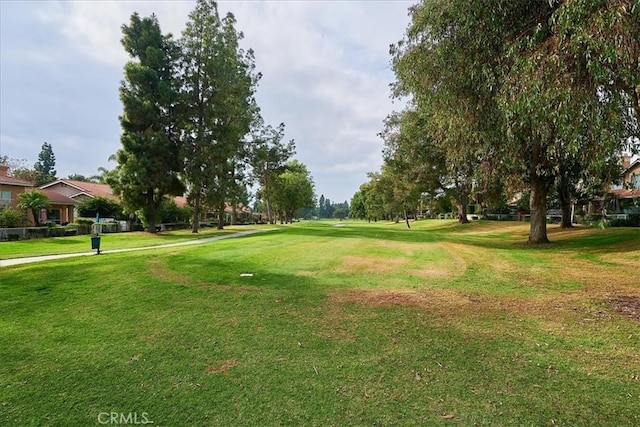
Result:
[407,249]
[386,297]
[600,278]
[221,368]
[453,265]
[627,305]
[456,305]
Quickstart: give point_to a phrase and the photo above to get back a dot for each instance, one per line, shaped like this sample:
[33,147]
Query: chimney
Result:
[626,161]
[4,170]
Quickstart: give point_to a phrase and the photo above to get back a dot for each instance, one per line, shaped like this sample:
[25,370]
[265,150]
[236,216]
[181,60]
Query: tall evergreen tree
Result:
[149,161]
[218,106]
[45,165]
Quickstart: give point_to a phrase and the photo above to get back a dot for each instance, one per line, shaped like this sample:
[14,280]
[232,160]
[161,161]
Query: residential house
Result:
[61,209]
[80,190]
[628,189]
[10,188]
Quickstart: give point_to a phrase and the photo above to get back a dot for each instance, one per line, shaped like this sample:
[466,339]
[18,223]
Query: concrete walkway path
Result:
[28,260]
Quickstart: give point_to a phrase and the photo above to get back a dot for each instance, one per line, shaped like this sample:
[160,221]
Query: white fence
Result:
[38,232]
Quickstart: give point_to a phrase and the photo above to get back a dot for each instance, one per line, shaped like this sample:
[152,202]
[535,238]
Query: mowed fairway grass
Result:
[109,241]
[341,324]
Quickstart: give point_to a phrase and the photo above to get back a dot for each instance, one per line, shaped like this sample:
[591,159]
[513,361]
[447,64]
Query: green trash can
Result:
[95,243]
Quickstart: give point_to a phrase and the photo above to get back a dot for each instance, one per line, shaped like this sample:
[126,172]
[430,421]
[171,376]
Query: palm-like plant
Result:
[34,201]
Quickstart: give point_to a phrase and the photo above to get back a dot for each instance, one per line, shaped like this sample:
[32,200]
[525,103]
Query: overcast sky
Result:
[325,65]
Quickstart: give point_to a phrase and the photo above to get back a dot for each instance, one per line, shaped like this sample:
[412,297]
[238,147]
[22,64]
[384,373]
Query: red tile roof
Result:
[56,198]
[9,180]
[89,188]
[181,201]
[625,194]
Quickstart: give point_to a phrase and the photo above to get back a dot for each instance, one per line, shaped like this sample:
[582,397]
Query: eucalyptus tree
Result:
[416,162]
[563,115]
[534,90]
[293,189]
[358,209]
[218,106]
[372,198]
[268,157]
[447,64]
[149,161]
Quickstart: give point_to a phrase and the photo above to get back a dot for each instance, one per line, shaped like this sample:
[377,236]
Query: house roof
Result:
[632,166]
[91,189]
[56,198]
[9,180]
[623,193]
[181,201]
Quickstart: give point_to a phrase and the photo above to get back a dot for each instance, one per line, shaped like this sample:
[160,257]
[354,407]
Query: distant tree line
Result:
[506,97]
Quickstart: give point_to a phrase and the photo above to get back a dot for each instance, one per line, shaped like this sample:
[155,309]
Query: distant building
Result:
[62,207]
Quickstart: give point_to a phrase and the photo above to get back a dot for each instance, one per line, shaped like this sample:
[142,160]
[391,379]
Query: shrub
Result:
[70,231]
[106,208]
[84,221]
[591,219]
[110,227]
[632,221]
[171,213]
[56,232]
[12,218]
[35,233]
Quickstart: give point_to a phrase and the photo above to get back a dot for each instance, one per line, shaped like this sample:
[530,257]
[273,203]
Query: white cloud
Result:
[325,68]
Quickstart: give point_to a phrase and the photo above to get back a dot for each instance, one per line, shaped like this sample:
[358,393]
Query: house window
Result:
[53,215]
[5,195]
[635,181]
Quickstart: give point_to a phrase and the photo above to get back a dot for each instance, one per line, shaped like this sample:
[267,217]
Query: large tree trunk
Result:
[461,201]
[196,214]
[221,216]
[36,221]
[564,194]
[538,207]
[270,218]
[151,212]
[267,202]
[234,214]
[406,217]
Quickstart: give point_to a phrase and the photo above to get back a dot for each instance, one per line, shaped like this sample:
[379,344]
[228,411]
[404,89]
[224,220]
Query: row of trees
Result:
[507,96]
[191,123]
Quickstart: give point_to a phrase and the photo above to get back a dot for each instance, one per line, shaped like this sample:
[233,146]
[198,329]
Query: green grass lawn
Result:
[362,324]
[64,245]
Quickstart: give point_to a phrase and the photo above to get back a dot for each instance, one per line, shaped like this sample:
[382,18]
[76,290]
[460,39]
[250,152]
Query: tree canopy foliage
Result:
[33,201]
[45,165]
[218,107]
[293,189]
[105,208]
[148,162]
[191,122]
[507,96]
